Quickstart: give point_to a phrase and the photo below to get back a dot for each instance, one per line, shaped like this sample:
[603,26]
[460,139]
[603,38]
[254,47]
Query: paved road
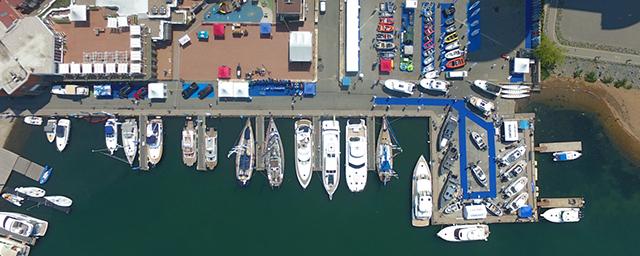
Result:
[550,30]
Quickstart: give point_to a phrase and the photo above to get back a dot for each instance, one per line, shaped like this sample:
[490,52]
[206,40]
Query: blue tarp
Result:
[108,130]
[523,125]
[346,82]
[201,86]
[102,91]
[309,89]
[265,28]
[525,212]
[517,78]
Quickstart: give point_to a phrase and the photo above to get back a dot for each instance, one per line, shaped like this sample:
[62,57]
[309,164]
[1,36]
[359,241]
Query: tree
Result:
[549,54]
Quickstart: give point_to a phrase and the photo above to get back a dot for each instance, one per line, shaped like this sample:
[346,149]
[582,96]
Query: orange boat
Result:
[385,28]
[455,63]
[386,20]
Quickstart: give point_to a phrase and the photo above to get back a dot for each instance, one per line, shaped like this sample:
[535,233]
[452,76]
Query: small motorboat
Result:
[399,86]
[474,5]
[515,187]
[62,134]
[31,191]
[450,11]
[238,71]
[428,68]
[479,175]
[493,208]
[453,207]
[515,87]
[428,31]
[449,21]
[45,174]
[452,46]
[384,46]
[562,215]
[428,44]
[427,60]
[488,87]
[33,120]
[111,135]
[385,28]
[475,32]
[509,91]
[486,107]
[453,54]
[431,74]
[517,202]
[455,63]
[50,130]
[428,52]
[478,141]
[387,55]
[435,85]
[474,23]
[450,29]
[61,201]
[384,36]
[514,171]
[474,13]
[386,20]
[465,233]
[13,198]
[566,156]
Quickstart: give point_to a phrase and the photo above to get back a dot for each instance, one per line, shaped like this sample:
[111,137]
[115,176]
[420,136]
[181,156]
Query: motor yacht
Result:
[356,155]
[331,156]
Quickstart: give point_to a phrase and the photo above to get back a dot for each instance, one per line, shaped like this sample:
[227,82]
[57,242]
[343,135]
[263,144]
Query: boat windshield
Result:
[60,131]
[356,166]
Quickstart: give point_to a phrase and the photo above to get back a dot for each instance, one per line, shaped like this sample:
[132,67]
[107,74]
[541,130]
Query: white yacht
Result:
[155,140]
[70,90]
[10,247]
[13,199]
[245,154]
[189,143]
[331,156]
[514,171]
[421,194]
[384,153]
[479,175]
[515,96]
[513,155]
[435,85]
[515,187]
[478,141]
[566,156]
[33,120]
[50,130]
[517,202]
[488,87]
[304,151]
[562,215]
[464,233]
[63,129]
[61,201]
[31,191]
[274,155]
[211,148]
[130,139]
[23,225]
[111,135]
[399,86]
[356,153]
[486,107]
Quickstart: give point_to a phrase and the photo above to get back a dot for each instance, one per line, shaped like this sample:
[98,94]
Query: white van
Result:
[323,6]
[455,74]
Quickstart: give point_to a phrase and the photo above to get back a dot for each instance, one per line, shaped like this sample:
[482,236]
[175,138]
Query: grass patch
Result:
[61,3]
[591,77]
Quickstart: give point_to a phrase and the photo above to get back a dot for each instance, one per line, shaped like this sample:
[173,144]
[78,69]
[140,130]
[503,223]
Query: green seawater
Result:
[175,210]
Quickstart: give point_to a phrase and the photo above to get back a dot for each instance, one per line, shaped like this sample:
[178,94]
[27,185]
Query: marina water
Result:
[175,210]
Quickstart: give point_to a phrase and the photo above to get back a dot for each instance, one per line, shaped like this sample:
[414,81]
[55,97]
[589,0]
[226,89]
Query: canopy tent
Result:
[123,68]
[346,82]
[218,30]
[157,91]
[411,4]
[265,28]
[135,30]
[203,35]
[98,68]
[474,212]
[75,68]
[63,68]
[510,131]
[136,68]
[184,40]
[233,89]
[352,37]
[112,23]
[521,65]
[309,89]
[224,72]
[111,68]
[135,43]
[525,212]
[123,22]
[300,46]
[86,68]
[136,55]
[77,13]
[386,65]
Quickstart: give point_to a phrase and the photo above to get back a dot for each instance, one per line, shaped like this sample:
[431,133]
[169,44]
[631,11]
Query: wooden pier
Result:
[142,146]
[371,143]
[259,143]
[559,146]
[201,128]
[570,202]
[317,143]
[13,162]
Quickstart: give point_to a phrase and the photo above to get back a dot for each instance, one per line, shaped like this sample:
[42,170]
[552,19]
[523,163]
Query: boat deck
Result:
[559,146]
[201,125]
[19,238]
[143,157]
[14,162]
[570,202]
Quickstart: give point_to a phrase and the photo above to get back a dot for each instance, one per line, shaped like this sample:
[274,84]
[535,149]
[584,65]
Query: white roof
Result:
[135,30]
[521,65]
[472,212]
[411,4]
[135,43]
[300,46]
[136,55]
[157,90]
[75,68]
[78,13]
[184,40]
[126,7]
[98,68]
[352,41]
[233,89]
[111,68]
[123,68]
[63,68]
[123,22]
[112,22]
[136,68]
[510,130]
[87,68]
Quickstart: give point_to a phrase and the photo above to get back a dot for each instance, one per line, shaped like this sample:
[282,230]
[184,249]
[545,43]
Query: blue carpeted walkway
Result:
[201,86]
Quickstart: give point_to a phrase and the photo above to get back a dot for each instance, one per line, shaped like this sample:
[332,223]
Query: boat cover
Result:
[265,28]
[386,65]
[245,160]
[224,72]
[525,212]
[108,130]
[247,134]
[563,157]
[218,30]
[152,140]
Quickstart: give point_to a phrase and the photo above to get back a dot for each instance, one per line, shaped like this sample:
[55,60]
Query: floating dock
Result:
[13,162]
[559,146]
[371,143]
[259,143]
[142,147]
[317,143]
[569,202]
[201,128]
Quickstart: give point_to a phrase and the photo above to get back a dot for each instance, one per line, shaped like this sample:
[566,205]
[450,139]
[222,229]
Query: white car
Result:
[323,6]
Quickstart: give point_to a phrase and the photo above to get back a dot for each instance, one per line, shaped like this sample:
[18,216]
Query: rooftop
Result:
[289,6]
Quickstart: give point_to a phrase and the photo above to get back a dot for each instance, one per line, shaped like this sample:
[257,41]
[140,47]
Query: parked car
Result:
[140,93]
[323,6]
[205,92]
[190,90]
[124,92]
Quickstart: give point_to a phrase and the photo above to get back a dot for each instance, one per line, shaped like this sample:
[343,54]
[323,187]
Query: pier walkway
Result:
[371,143]
[559,146]
[259,143]
[201,127]
[317,143]
[570,202]
[13,162]
[142,146]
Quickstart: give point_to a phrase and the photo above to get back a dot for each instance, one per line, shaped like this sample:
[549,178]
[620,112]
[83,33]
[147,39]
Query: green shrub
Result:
[607,79]
[577,73]
[591,77]
[620,83]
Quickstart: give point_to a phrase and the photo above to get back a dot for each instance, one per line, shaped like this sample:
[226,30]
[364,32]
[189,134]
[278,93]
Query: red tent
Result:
[224,72]
[386,65]
[218,30]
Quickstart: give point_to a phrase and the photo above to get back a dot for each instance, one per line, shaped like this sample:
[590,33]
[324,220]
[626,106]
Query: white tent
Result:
[63,68]
[233,89]
[521,65]
[136,55]
[300,46]
[352,36]
[112,23]
[474,212]
[184,40]
[123,22]
[98,68]
[78,13]
[136,43]
[135,30]
[411,4]
[157,91]
[86,68]
[75,68]
[111,68]
[136,68]
[123,68]
[510,131]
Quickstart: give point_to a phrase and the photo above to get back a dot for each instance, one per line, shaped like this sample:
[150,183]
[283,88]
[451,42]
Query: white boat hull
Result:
[331,156]
[304,151]
[356,156]
[61,201]
[111,139]
[63,129]
[421,194]
[465,233]
[514,96]
[31,191]
[562,215]
[130,139]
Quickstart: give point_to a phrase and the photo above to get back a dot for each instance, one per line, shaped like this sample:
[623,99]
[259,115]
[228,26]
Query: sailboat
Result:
[245,154]
[384,154]
[130,139]
[31,191]
[155,140]
[63,129]
[421,194]
[189,143]
[61,201]
[50,130]
[211,148]
[356,155]
[331,156]
[111,135]
[304,151]
[274,155]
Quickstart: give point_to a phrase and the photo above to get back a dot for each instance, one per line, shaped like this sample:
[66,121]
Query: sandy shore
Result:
[617,109]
